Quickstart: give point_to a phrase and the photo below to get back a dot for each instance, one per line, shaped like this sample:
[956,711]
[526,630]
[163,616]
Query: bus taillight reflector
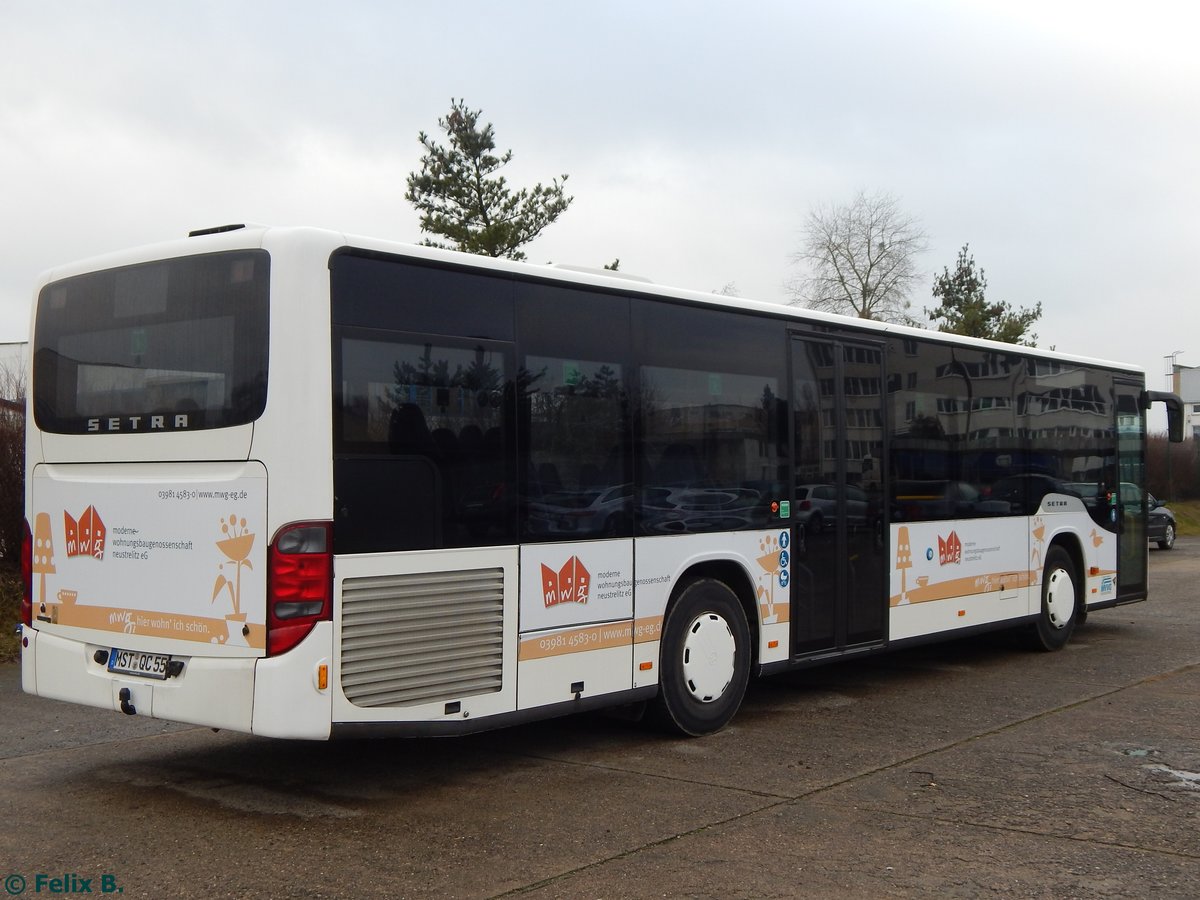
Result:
[299,583]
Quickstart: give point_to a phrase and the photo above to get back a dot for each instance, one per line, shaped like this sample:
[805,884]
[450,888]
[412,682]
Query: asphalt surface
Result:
[969,769]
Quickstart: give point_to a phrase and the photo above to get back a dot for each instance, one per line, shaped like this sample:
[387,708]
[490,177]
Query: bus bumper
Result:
[218,693]
[289,699]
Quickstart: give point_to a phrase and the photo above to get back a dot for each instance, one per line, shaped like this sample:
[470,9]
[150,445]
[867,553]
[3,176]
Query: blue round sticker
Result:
[784,540]
[929,553]
[784,559]
[783,578]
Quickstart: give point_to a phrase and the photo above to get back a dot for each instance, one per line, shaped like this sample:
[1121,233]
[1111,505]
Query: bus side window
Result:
[420,457]
[573,413]
[576,485]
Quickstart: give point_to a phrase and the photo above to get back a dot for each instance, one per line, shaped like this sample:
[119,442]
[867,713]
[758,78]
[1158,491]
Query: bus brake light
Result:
[27,577]
[299,584]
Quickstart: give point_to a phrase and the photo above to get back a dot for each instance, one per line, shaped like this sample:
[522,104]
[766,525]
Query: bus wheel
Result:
[705,660]
[1056,621]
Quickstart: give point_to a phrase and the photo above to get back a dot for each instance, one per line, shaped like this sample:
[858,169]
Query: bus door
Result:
[1131,507]
[837,512]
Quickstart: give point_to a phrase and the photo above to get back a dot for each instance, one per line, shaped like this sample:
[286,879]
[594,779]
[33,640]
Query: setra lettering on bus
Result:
[135,423]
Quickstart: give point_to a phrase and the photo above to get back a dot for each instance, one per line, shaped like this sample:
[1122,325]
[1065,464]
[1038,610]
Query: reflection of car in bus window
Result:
[917,500]
[1088,491]
[691,510]
[816,507]
[1024,493]
[585,513]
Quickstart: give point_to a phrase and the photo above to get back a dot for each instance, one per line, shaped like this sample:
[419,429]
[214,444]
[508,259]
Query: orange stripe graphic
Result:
[231,630]
[965,587]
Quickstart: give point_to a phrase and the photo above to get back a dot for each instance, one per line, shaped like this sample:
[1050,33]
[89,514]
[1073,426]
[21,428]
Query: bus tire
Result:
[704,660]
[1060,601]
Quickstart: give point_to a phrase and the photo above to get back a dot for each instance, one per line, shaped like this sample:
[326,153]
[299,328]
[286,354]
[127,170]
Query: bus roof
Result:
[228,237]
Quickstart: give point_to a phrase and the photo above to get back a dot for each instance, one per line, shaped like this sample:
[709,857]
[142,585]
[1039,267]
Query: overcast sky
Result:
[1060,139]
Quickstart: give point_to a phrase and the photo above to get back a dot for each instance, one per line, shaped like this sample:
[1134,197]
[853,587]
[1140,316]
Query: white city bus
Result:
[299,484]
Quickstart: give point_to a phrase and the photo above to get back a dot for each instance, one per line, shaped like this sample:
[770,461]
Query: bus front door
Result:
[839,590]
[1131,467]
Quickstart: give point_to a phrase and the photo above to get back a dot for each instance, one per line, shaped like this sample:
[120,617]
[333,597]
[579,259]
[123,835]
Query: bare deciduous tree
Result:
[861,259]
[12,460]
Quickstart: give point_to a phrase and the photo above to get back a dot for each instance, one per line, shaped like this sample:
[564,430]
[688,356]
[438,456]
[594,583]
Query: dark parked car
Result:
[1160,523]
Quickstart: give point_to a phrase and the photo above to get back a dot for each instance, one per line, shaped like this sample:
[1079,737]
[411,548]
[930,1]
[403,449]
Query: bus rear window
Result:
[167,346]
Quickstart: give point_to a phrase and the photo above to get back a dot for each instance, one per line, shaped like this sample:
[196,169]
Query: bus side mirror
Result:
[1174,412]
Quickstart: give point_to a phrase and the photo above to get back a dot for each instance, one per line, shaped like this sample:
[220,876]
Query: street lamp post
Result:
[1171,374]
[1169,359]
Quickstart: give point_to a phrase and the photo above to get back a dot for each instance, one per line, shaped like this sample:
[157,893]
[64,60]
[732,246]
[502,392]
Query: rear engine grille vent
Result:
[420,638]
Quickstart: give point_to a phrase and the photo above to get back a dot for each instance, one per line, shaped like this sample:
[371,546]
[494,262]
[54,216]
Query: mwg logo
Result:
[570,584]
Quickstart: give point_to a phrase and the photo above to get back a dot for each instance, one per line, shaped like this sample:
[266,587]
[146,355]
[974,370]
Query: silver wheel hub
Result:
[709,650]
[1060,598]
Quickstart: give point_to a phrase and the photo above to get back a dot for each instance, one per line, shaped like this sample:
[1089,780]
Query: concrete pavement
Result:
[968,769]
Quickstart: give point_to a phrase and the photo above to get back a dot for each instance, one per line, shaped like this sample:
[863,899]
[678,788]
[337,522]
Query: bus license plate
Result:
[131,662]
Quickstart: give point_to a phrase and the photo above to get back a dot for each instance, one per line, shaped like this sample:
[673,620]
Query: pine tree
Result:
[964,309]
[462,198]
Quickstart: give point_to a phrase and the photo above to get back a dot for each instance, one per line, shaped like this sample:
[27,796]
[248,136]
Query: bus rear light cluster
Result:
[299,583]
[27,577]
